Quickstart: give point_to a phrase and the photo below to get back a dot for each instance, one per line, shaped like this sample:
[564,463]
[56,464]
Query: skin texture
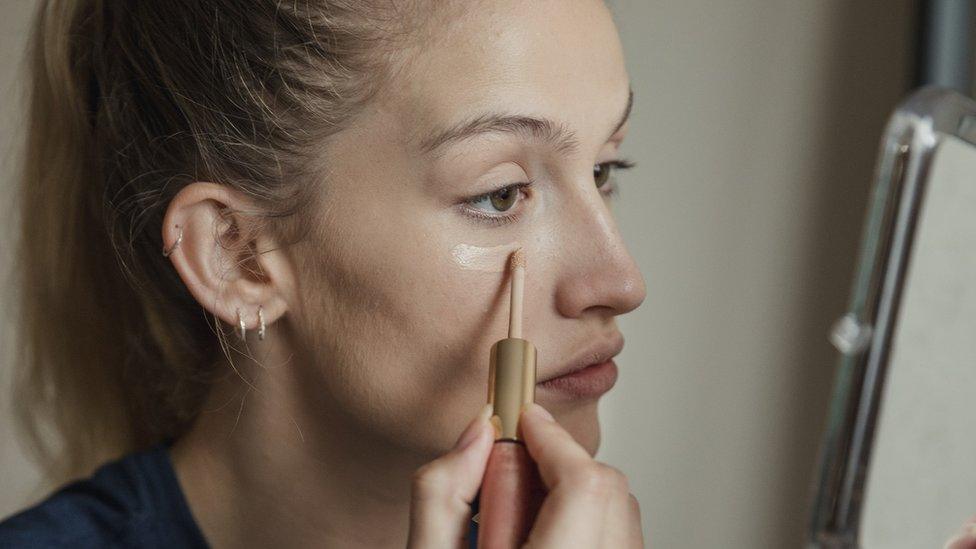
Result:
[376,356]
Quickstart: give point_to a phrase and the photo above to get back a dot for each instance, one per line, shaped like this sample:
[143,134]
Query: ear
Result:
[228,259]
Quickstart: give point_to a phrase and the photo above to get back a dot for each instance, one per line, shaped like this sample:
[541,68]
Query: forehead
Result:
[556,58]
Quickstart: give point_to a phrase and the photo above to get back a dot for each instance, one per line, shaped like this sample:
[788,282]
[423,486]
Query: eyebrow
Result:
[546,130]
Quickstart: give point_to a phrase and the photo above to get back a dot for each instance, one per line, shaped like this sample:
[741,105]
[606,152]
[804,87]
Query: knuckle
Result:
[428,482]
[616,479]
[599,479]
[586,481]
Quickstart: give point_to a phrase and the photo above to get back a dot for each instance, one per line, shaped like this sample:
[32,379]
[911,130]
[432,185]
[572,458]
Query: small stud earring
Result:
[261,321]
[240,322]
[179,238]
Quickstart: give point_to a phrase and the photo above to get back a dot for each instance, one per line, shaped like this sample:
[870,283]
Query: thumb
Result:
[442,490]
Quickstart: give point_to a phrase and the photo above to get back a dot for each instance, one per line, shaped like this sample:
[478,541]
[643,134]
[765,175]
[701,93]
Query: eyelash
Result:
[622,164]
[495,219]
[503,219]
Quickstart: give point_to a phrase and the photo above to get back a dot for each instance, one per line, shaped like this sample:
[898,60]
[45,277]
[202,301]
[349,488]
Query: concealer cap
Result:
[511,384]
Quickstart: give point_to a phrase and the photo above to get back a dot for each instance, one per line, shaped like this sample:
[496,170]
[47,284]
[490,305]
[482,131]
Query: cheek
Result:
[399,334]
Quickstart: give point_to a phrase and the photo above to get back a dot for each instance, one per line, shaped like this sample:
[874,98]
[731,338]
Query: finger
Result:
[442,490]
[962,541]
[966,538]
[554,450]
[580,488]
[622,527]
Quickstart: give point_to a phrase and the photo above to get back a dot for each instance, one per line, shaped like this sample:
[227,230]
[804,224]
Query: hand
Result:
[444,489]
[966,538]
[588,502]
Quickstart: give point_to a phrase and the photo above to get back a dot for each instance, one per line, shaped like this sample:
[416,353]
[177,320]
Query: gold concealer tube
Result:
[511,491]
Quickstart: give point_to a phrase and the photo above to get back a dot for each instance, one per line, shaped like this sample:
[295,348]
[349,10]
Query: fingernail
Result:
[485,413]
[535,408]
[471,433]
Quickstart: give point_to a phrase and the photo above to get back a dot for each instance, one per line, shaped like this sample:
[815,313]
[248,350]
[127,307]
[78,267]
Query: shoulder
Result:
[132,502]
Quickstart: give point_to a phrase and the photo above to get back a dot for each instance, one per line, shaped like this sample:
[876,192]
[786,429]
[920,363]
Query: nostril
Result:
[614,287]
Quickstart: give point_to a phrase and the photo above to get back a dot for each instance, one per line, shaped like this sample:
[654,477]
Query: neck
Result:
[269,463]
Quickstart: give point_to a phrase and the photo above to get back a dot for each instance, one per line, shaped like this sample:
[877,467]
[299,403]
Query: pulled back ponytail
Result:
[130,100]
[84,328]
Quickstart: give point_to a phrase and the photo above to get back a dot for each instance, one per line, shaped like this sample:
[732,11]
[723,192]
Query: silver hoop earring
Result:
[261,322]
[179,238]
[240,322]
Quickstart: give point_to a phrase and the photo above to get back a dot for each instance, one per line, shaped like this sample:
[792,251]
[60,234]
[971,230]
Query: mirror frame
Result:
[863,336]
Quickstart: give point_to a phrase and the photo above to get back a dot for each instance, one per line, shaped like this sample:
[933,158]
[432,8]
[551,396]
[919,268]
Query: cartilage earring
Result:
[261,322]
[240,322]
[179,238]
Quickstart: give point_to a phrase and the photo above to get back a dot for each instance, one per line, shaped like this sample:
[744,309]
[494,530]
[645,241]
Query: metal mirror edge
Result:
[863,336]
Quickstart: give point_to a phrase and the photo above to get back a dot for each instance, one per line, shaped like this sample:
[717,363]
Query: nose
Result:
[598,273]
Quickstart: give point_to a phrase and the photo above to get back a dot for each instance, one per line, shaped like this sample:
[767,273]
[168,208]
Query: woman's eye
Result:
[499,201]
[504,199]
[499,206]
[602,171]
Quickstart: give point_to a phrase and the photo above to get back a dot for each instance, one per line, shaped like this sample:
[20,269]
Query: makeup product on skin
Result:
[481,258]
[511,491]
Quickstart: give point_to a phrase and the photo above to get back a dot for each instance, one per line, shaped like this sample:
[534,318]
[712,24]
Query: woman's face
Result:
[404,286]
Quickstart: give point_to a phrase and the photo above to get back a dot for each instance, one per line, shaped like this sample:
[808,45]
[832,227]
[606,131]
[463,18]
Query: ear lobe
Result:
[226,258]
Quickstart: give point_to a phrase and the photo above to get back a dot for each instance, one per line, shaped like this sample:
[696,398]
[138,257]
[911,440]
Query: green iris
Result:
[504,199]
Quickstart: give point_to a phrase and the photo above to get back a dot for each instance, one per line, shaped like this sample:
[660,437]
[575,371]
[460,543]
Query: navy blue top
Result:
[133,502]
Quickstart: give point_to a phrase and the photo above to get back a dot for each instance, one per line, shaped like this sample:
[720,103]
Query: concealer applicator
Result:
[511,490]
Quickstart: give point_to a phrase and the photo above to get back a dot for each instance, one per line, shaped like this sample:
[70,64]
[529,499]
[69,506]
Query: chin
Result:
[581,420]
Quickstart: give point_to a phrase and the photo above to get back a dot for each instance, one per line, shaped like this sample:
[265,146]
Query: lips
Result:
[596,352]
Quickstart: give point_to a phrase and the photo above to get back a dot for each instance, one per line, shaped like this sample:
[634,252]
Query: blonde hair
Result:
[130,100]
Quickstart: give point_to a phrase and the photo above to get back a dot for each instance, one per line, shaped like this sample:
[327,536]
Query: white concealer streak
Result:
[490,259]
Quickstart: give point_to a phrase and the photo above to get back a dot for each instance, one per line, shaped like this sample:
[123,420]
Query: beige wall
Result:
[754,128]
[16,476]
